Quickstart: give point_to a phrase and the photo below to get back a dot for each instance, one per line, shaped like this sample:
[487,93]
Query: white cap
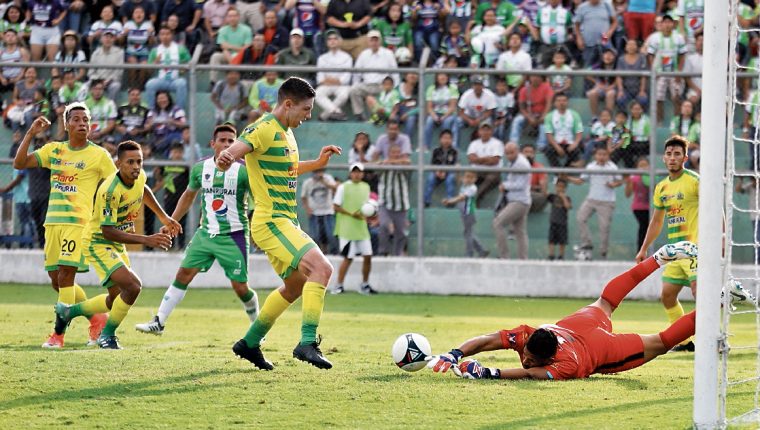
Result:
[296,32]
[359,166]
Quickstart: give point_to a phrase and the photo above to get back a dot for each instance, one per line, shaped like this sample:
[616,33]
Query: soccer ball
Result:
[403,55]
[369,209]
[478,45]
[410,351]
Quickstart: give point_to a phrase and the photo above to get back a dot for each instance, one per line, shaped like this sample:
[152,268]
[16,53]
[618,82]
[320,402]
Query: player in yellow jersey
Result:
[117,206]
[675,200]
[76,168]
[271,157]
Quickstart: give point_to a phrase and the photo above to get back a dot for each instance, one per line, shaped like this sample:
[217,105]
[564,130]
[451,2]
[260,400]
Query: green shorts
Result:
[231,250]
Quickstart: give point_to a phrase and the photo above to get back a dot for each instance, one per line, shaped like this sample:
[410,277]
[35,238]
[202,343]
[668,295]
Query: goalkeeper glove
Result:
[442,363]
[471,369]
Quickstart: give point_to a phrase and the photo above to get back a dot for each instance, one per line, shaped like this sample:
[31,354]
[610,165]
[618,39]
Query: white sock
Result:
[171,299]
[252,307]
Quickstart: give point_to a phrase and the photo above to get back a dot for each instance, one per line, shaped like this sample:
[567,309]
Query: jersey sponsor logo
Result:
[127,226]
[219,190]
[65,188]
[80,165]
[219,207]
[107,212]
[293,170]
[292,184]
[64,178]
[676,220]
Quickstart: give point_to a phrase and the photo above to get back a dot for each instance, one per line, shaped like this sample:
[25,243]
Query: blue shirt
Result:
[21,191]
[642,6]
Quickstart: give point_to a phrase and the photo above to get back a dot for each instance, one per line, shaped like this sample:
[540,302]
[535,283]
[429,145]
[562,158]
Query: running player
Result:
[582,343]
[76,168]
[677,198]
[117,206]
[271,157]
[222,236]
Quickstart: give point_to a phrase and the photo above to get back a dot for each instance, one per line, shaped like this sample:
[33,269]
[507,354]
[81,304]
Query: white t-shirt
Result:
[492,148]
[473,105]
[598,189]
[693,64]
[319,195]
[519,61]
[666,50]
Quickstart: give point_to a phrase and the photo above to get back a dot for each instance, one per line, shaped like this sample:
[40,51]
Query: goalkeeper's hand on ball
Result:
[471,369]
[443,362]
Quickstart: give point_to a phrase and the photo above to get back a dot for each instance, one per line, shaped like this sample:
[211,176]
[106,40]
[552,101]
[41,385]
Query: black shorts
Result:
[558,234]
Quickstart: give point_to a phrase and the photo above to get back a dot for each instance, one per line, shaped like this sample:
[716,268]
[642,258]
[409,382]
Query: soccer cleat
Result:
[338,290]
[62,319]
[685,347]
[97,322]
[54,341]
[675,251]
[108,342]
[311,354]
[739,295]
[152,327]
[254,355]
[367,290]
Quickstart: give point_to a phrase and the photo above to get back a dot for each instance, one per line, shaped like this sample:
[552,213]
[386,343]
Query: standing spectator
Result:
[297,55]
[252,12]
[138,37]
[360,149]
[443,155]
[640,17]
[460,11]
[19,187]
[44,16]
[561,205]
[71,54]
[534,102]
[11,52]
[393,190]
[441,99]
[174,180]
[350,18]
[638,187]
[486,151]
[561,83]
[275,36]
[14,18]
[232,38]
[666,51]
[164,123]
[131,118]
[380,151]
[77,17]
[604,87]
[333,84]
[426,15]
[595,23]
[514,60]
[308,17]
[215,16]
[188,16]
[39,193]
[691,20]
[564,132]
[600,199]
[317,195]
[466,203]
[108,54]
[106,23]
[486,40]
[263,95]
[693,64]
[631,87]
[454,44]
[229,99]
[538,180]
[551,27]
[516,197]
[750,186]
[476,107]
[368,84]
[103,114]
[351,227]
[167,52]
[394,30]
[253,55]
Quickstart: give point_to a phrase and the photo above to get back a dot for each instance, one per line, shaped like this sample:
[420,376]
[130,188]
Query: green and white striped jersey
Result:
[224,196]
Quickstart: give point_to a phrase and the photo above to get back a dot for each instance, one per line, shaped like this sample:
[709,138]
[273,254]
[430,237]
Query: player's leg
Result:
[231,251]
[364,248]
[129,286]
[666,340]
[248,297]
[674,278]
[342,271]
[318,271]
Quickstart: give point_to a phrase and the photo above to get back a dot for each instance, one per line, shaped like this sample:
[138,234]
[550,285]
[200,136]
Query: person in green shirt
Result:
[231,38]
[263,95]
[103,112]
[396,32]
[168,53]
[505,12]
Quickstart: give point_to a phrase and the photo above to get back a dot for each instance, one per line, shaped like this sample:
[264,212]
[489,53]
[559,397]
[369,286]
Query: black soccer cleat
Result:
[254,355]
[686,347]
[109,342]
[311,354]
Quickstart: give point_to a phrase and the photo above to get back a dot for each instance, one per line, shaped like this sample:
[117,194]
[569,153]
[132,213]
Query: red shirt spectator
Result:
[537,96]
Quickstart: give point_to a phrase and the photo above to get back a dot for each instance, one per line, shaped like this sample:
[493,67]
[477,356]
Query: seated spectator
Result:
[214,16]
[167,52]
[229,99]
[72,90]
[520,26]
[552,25]
[560,83]
[127,9]
[173,180]
[395,32]
[506,12]
[407,108]
[131,118]
[486,151]
[307,15]
[620,141]
[454,44]
[538,180]
[603,87]
[178,36]
[103,115]
[443,155]
[360,149]
[441,99]
[534,101]
[426,16]
[504,112]
[188,20]
[232,38]
[137,36]
[595,24]
[666,52]
[14,18]
[513,60]
[682,122]
[639,125]
[107,54]
[333,84]
[693,64]
[564,133]
[23,97]
[476,106]
[393,190]
[350,19]
[40,107]
[382,106]
[516,204]
[369,84]
[275,36]
[263,95]
[297,55]
[485,40]
[106,23]
[11,52]
[600,134]
[45,37]
[393,136]
[255,54]
[71,54]
[631,87]
[164,123]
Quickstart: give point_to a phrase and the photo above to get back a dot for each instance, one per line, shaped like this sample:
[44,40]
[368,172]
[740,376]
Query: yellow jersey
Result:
[679,198]
[74,178]
[272,167]
[116,205]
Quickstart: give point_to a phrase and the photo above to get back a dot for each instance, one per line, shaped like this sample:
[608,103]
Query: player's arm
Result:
[489,342]
[172,226]
[320,162]
[23,159]
[653,230]
[232,154]
[183,205]
[532,373]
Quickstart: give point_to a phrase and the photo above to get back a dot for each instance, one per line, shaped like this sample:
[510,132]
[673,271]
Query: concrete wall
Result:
[534,278]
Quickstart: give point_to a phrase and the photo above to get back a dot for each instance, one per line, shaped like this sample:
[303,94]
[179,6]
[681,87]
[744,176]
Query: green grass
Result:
[189,378]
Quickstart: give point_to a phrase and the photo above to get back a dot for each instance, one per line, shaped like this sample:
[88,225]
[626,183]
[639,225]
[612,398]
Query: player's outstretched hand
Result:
[225,160]
[159,240]
[39,125]
[328,151]
[171,227]
[443,362]
[472,369]
[641,256]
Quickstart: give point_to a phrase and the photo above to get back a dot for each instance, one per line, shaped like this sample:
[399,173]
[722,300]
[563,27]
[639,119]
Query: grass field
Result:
[189,378]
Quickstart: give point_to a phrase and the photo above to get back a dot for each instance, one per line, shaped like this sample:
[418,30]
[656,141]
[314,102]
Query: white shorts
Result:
[668,84]
[355,248]
[45,36]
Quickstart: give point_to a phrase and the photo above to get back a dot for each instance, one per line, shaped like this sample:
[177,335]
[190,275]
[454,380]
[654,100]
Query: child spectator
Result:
[505,107]
[454,44]
[443,155]
[466,203]
[601,132]
[229,99]
[638,187]
[639,126]
[561,204]
[604,87]
[560,83]
[382,106]
[620,141]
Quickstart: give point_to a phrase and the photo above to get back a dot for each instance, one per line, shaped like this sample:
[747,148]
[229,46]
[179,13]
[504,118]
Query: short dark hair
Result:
[529,145]
[542,344]
[622,112]
[165,26]
[392,122]
[178,146]
[296,89]
[224,127]
[95,82]
[445,131]
[677,141]
[127,145]
[558,95]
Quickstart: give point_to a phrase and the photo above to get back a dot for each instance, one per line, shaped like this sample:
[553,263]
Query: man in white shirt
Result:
[600,199]
[107,53]
[516,198]
[369,84]
[333,84]
[486,151]
[514,59]
[666,50]
[694,65]
[475,106]
[564,133]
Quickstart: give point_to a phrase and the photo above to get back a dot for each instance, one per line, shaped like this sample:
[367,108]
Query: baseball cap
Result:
[332,32]
[296,32]
[110,31]
[359,166]
[486,123]
[374,33]
[476,79]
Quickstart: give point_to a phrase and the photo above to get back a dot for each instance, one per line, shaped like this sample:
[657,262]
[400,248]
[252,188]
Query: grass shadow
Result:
[390,377]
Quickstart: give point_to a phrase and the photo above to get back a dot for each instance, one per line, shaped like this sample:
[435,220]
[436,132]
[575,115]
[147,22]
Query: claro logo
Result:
[64,178]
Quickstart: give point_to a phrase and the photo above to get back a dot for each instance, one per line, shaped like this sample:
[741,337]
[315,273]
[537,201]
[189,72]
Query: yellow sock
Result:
[273,307]
[88,308]
[674,314]
[119,310]
[79,294]
[313,301]
[67,295]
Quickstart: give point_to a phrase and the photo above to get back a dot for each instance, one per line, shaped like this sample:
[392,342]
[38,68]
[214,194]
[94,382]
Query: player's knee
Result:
[240,288]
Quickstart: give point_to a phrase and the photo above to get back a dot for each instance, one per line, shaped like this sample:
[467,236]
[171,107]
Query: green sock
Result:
[89,307]
[313,302]
[247,297]
[273,307]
